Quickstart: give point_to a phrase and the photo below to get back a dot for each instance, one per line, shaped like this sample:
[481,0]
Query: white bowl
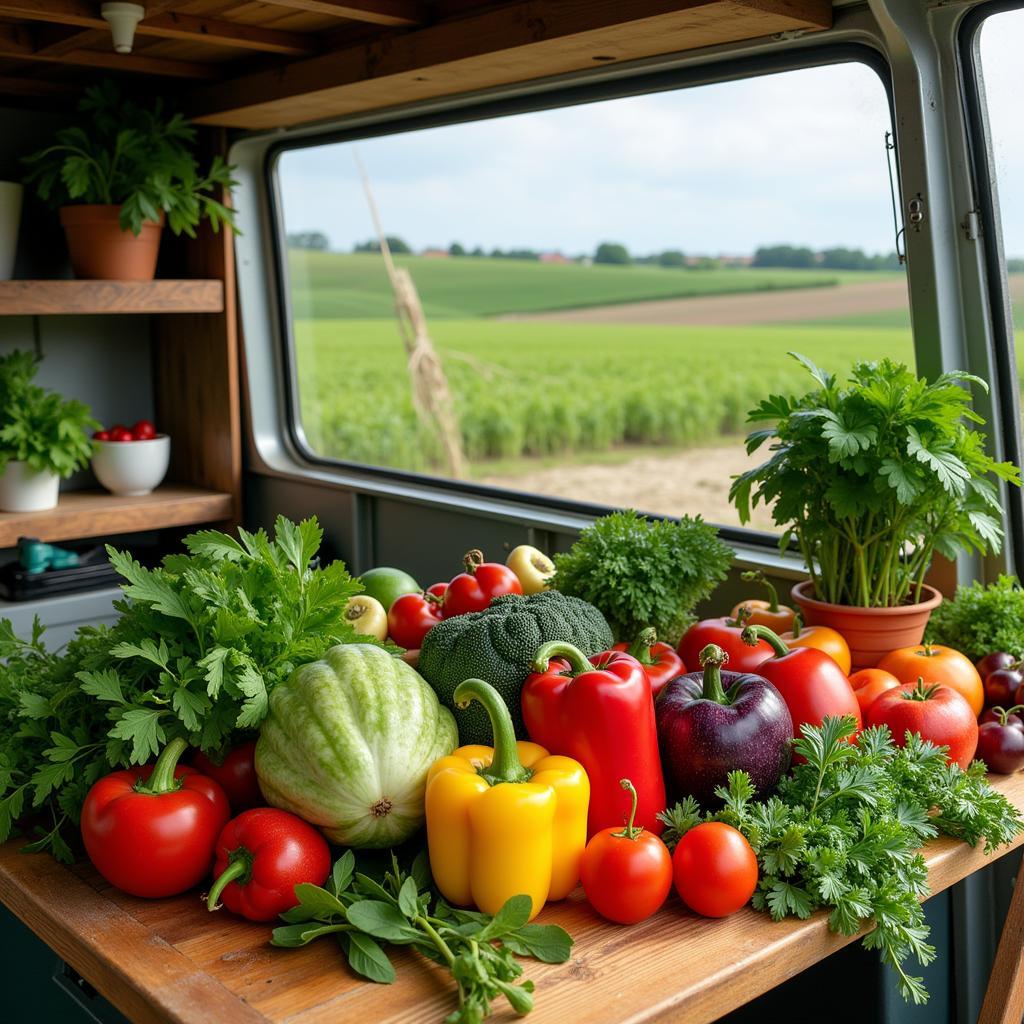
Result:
[130,468]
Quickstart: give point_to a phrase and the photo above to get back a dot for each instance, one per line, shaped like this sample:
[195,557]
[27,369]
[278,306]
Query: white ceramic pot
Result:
[131,468]
[23,489]
[10,216]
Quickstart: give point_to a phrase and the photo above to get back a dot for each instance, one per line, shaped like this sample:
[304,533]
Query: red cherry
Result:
[120,434]
[101,435]
[143,431]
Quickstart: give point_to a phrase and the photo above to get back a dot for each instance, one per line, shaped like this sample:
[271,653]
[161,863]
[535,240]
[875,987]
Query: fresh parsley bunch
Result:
[201,641]
[640,572]
[845,829]
[362,912]
[981,620]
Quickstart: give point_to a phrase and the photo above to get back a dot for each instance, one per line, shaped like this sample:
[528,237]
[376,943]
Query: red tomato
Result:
[143,431]
[725,633]
[474,589]
[120,433]
[937,664]
[236,775]
[870,683]
[626,872]
[411,617]
[437,589]
[715,869]
[101,435]
[938,713]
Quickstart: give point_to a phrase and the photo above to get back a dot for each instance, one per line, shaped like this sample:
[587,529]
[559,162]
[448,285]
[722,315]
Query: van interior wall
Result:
[103,361]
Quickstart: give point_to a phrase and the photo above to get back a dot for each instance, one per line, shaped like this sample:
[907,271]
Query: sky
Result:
[797,157]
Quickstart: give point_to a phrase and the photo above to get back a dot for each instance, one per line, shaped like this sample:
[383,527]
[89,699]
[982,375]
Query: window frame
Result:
[463,110]
[986,188]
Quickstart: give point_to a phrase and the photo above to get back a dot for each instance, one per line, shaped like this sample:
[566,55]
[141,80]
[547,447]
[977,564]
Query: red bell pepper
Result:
[811,683]
[261,856]
[236,774]
[660,661]
[725,633]
[601,713]
[474,589]
[150,831]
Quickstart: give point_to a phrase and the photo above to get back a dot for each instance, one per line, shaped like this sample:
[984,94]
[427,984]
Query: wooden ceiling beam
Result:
[394,13]
[496,46]
[167,25]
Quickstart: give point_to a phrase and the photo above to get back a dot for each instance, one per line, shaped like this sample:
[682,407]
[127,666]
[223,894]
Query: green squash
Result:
[347,744]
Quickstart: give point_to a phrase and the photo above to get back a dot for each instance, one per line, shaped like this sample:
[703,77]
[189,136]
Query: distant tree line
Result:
[839,258]
[309,240]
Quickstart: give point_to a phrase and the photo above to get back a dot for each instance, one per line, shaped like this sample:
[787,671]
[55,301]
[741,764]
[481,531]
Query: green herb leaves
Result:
[640,572]
[363,912]
[873,477]
[845,829]
[981,620]
[201,642]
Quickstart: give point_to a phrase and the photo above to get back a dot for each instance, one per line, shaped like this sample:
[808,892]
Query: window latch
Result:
[972,225]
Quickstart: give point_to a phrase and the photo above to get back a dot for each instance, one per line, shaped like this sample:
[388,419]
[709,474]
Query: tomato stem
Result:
[1004,713]
[239,870]
[920,691]
[630,831]
[161,779]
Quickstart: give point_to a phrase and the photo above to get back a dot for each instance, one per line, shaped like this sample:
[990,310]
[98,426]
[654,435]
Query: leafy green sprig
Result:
[201,642]
[478,950]
[844,833]
[981,619]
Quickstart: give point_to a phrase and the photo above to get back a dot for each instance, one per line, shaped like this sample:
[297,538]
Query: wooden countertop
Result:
[172,961]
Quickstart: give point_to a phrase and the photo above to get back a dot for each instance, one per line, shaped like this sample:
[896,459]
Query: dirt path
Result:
[788,305]
[693,481]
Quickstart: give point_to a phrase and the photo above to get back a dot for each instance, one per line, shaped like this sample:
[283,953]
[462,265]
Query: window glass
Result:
[607,288]
[1002,40]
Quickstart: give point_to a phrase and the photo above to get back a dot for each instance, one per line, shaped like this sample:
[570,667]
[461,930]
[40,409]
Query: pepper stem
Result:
[1004,713]
[712,658]
[920,691]
[640,648]
[798,625]
[472,560]
[505,765]
[742,614]
[239,870]
[630,831]
[756,576]
[578,661]
[161,779]
[751,635]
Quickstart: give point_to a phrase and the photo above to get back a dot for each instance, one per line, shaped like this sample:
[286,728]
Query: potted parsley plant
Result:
[869,479]
[119,176]
[43,437]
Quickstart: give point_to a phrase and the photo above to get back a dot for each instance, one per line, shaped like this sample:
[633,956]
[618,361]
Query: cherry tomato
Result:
[143,430]
[938,713]
[870,683]
[411,617]
[996,660]
[1001,686]
[437,589]
[626,872]
[101,435]
[120,433]
[474,589]
[1001,742]
[715,869]
[937,664]
[236,774]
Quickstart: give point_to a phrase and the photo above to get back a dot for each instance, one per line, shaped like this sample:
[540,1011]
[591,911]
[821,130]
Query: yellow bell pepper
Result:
[506,820]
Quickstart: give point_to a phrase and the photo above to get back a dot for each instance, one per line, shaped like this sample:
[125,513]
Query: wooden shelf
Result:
[31,298]
[172,962]
[97,513]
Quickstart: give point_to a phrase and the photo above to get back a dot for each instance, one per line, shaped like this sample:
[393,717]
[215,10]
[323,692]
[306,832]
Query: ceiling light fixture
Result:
[122,19]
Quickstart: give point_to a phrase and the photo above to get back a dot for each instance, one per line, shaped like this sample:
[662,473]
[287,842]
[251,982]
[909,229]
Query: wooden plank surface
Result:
[96,513]
[39,298]
[490,47]
[172,961]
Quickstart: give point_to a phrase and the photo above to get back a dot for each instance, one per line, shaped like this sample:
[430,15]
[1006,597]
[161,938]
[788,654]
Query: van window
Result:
[607,288]
[1001,44]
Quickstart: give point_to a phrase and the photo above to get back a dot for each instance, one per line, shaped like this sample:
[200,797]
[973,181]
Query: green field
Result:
[355,286]
[538,389]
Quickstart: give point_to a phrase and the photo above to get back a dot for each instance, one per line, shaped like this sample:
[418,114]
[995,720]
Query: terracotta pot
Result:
[101,250]
[871,632]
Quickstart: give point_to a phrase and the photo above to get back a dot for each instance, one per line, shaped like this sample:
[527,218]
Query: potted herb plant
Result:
[43,437]
[869,479]
[119,177]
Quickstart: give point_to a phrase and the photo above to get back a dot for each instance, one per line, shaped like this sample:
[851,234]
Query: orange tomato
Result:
[870,683]
[824,639]
[937,664]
